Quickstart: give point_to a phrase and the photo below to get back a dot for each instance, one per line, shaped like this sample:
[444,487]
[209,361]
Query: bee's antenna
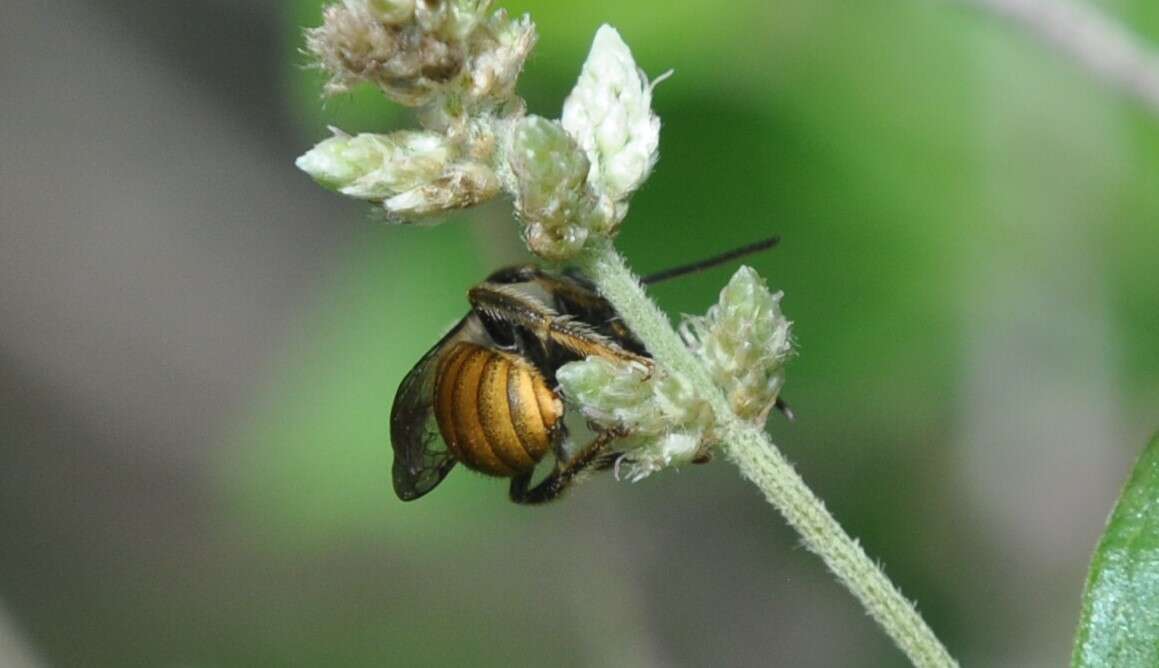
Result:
[710,262]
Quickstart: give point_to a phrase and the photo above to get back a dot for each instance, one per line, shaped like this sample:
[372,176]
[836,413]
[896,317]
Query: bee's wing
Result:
[421,458]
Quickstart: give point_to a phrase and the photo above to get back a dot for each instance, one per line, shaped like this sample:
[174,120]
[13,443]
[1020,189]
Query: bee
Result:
[486,394]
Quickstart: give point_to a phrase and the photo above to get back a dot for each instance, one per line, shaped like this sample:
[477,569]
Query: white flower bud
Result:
[551,197]
[665,420]
[441,53]
[375,167]
[659,453]
[451,20]
[414,174]
[380,43]
[498,51]
[464,184]
[394,12]
[744,341]
[609,112]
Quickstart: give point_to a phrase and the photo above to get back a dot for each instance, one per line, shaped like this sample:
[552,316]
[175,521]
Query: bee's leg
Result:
[785,410]
[563,475]
[496,304]
[606,460]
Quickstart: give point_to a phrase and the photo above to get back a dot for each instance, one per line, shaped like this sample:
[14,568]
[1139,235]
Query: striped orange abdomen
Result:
[494,409]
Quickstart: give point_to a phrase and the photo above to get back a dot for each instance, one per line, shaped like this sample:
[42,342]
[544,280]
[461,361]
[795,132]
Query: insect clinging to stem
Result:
[486,396]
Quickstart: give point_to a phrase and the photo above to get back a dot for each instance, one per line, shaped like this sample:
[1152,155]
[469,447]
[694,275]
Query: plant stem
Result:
[762,463]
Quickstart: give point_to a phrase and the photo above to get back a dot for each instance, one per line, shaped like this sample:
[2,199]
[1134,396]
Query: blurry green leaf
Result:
[1120,617]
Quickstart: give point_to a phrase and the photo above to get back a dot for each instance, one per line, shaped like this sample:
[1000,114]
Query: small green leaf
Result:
[1120,616]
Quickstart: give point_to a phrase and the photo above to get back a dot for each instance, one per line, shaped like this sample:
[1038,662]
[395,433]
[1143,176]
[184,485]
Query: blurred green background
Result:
[199,348]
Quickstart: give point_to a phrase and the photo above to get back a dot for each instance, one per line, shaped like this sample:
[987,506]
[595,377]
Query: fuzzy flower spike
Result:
[570,179]
[744,342]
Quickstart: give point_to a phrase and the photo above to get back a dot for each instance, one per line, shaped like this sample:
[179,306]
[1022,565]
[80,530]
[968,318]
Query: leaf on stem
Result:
[1120,614]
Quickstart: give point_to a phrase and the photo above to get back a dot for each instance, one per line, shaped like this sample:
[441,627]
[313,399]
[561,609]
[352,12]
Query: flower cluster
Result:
[667,421]
[743,341]
[418,52]
[454,60]
[570,179]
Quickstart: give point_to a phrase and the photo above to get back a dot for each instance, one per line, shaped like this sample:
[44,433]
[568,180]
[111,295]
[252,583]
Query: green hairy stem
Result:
[763,464]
